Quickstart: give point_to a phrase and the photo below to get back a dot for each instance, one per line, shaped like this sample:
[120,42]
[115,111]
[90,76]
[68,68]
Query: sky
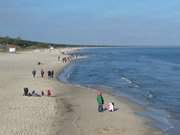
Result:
[96,22]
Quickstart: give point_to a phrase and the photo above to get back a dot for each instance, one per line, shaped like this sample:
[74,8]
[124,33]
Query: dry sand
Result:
[73,110]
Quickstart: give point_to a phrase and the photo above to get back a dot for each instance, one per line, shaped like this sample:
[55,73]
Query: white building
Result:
[12,48]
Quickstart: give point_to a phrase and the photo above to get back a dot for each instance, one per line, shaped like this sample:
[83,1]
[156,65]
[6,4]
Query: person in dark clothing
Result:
[26,91]
[100,101]
[34,73]
[49,73]
[42,93]
[42,73]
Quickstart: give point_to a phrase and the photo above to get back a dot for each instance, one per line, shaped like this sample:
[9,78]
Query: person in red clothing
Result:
[49,93]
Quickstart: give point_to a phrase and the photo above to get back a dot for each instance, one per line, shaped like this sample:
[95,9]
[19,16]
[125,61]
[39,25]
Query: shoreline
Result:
[73,110]
[160,117]
[137,108]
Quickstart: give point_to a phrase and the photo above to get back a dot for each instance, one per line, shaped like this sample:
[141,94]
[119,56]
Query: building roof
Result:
[11,46]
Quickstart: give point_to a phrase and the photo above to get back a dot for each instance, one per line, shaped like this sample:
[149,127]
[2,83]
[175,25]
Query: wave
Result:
[143,77]
[130,82]
[127,80]
[66,74]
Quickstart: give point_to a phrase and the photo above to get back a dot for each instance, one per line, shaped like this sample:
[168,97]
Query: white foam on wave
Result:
[66,74]
[132,84]
[126,79]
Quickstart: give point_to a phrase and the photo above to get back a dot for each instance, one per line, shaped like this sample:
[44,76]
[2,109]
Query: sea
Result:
[148,76]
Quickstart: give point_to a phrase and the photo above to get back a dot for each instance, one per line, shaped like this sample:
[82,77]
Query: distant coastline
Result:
[23,44]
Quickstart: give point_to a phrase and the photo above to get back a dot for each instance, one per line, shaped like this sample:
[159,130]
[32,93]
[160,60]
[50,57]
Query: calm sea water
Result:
[149,76]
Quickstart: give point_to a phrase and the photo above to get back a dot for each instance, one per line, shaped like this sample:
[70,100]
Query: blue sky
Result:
[107,22]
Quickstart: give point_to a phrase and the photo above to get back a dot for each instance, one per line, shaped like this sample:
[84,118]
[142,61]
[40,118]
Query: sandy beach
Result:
[71,111]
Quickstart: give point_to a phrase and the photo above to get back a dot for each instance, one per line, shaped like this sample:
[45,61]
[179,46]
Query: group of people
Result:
[35,94]
[50,73]
[66,59]
[101,106]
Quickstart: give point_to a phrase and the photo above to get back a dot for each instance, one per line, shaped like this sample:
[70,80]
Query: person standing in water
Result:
[100,101]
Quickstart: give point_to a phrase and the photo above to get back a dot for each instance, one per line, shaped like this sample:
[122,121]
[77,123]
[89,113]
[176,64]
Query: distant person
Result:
[64,59]
[34,73]
[42,93]
[110,107]
[49,93]
[42,73]
[59,58]
[35,94]
[100,101]
[49,74]
[26,92]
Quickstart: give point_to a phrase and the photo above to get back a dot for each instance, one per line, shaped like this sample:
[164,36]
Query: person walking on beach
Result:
[34,73]
[100,101]
[49,73]
[59,58]
[42,73]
